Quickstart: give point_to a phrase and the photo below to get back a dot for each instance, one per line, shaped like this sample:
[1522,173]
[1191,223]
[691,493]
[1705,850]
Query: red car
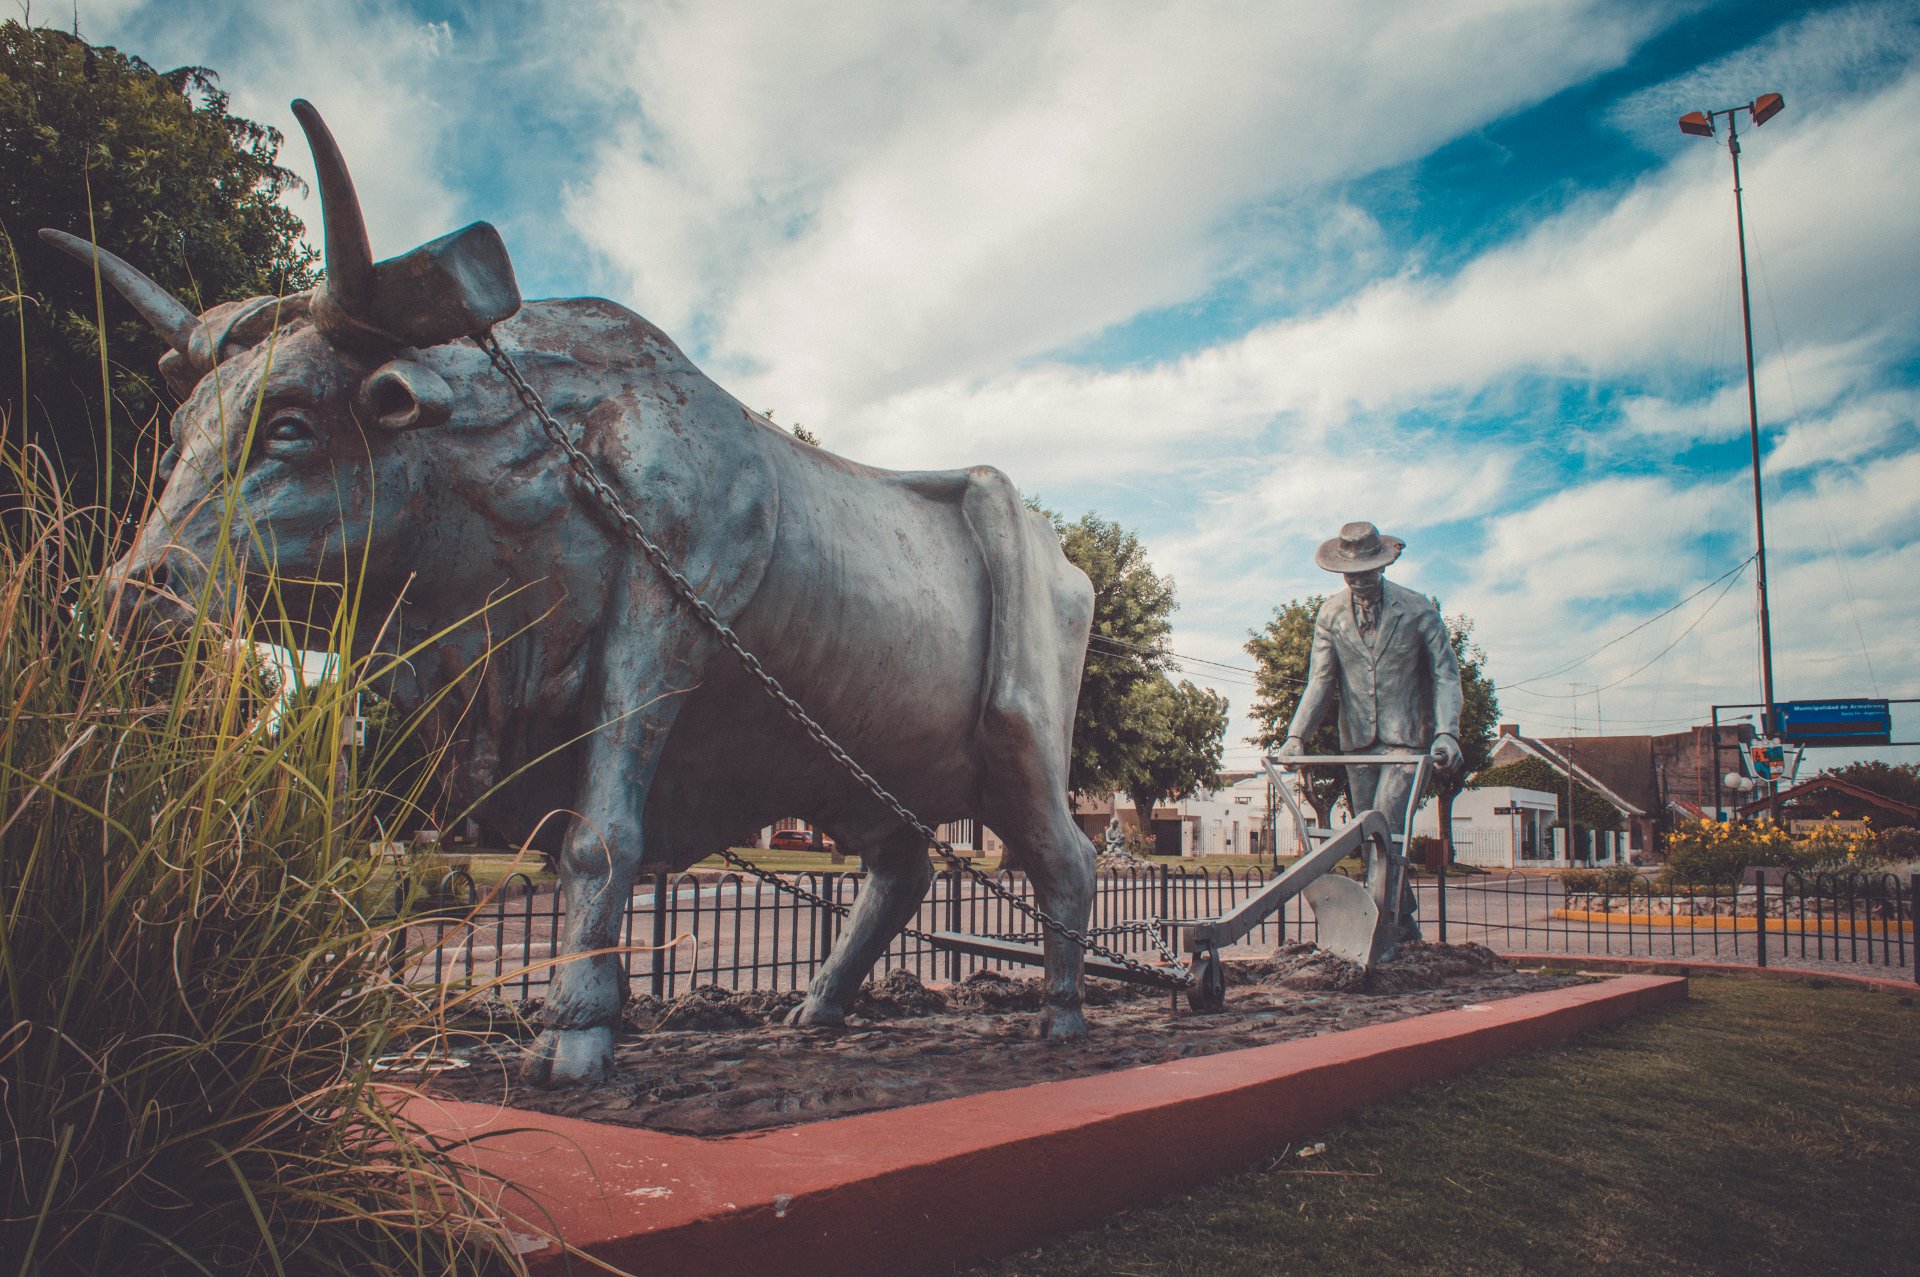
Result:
[799,840]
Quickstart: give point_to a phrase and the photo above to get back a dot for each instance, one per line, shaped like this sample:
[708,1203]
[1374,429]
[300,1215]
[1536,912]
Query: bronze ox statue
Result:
[927,619]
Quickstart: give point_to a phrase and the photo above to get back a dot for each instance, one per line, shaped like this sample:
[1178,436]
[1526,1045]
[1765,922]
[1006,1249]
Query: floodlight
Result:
[1700,124]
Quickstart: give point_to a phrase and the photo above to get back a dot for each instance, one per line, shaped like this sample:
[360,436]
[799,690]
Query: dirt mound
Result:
[991,991]
[714,1008]
[714,1062]
[1307,967]
[899,995]
[1415,965]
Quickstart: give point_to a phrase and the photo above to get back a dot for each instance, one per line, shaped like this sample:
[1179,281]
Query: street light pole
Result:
[1700,124]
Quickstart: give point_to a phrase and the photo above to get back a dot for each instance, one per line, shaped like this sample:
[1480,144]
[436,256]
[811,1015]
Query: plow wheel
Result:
[1208,992]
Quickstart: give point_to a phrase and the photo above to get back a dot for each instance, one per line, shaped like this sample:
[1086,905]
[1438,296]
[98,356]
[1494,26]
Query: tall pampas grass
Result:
[193,991]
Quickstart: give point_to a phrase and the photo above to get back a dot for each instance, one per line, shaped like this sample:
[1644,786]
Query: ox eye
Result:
[288,431]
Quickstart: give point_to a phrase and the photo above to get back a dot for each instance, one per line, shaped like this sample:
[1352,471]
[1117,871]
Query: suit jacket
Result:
[1401,690]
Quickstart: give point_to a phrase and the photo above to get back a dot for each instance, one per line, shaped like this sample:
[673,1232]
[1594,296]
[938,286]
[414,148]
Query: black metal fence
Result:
[684,930]
[1815,921]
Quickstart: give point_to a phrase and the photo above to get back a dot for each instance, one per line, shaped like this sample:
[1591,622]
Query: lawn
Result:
[1763,1128]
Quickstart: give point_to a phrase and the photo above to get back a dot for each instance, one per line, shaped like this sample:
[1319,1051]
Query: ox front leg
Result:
[575,1048]
[897,878]
[597,869]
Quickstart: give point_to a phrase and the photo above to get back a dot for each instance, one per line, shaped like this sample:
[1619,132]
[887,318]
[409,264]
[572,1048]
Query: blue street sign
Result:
[1856,722]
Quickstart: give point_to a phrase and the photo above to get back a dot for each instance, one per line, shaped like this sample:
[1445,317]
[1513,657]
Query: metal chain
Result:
[603,493]
[1153,928]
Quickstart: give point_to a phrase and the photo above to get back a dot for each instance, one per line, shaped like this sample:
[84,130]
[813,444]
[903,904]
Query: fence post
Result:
[953,921]
[1446,853]
[1913,916]
[825,929]
[1166,893]
[659,935]
[1759,913]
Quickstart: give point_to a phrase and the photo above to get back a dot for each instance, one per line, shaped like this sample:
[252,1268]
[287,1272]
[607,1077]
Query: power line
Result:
[1691,626]
[1120,647]
[1736,568]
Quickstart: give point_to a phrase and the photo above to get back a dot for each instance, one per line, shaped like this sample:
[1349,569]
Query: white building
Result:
[1505,827]
[1229,821]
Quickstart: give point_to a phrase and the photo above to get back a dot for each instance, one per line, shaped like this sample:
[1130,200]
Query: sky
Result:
[1234,274]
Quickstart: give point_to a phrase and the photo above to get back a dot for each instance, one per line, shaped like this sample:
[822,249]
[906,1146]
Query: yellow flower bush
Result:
[1712,851]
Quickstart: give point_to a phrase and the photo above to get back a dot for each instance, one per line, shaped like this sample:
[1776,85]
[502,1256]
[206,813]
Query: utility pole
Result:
[1573,693]
[1700,124]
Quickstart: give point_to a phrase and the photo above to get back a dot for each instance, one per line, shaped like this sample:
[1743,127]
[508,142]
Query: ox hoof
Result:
[816,1015]
[570,1057]
[1063,1022]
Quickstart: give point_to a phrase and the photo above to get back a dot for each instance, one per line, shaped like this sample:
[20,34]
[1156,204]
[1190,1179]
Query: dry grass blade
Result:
[196,997]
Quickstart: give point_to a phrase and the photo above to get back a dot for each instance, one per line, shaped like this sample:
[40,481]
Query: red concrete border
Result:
[935,1185]
[1688,966]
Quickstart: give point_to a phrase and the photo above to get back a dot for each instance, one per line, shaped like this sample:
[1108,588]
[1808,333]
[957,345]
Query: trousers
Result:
[1385,789]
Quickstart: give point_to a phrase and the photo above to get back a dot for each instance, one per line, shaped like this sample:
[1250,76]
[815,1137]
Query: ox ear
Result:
[403,395]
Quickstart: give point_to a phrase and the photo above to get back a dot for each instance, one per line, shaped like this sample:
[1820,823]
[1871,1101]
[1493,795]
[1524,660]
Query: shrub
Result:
[1614,881]
[1711,852]
[1899,845]
[1839,850]
[193,1002]
[1716,852]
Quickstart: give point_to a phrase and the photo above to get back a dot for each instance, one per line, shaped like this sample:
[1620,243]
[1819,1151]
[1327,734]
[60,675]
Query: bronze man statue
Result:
[1385,649]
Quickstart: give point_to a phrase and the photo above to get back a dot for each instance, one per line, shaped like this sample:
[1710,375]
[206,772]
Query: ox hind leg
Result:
[1043,840]
[898,872]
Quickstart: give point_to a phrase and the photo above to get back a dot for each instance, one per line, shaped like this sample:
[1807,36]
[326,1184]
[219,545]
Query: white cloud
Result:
[891,221]
[373,71]
[1818,58]
[1868,508]
[1810,378]
[855,208]
[1855,430]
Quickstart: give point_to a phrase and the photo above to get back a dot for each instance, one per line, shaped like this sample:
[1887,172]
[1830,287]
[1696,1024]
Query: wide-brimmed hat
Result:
[1358,548]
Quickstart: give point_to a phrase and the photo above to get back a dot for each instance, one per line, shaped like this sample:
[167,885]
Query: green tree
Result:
[1183,728]
[1132,607]
[1479,722]
[1282,651]
[152,167]
[1898,781]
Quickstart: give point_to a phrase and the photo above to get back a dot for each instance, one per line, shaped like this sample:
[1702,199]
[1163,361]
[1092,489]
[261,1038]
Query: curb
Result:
[1608,964]
[873,1194]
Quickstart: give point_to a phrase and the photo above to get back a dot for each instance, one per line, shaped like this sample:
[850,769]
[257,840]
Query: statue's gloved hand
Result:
[1445,751]
[1292,748]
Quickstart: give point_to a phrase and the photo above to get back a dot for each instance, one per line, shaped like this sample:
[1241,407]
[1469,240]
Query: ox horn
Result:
[349,283]
[460,285]
[169,317]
